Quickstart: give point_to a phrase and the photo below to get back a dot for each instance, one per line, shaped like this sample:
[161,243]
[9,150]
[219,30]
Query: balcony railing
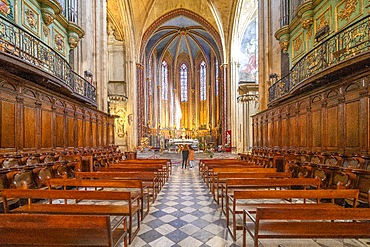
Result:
[18,42]
[344,45]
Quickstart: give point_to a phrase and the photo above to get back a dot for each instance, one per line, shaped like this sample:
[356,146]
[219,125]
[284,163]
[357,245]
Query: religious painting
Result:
[248,54]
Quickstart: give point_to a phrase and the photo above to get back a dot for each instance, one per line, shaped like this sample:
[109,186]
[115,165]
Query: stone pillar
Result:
[224,102]
[140,101]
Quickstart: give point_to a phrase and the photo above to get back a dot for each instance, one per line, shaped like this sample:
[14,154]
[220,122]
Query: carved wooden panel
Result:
[352,124]
[7,125]
[71,132]
[88,134]
[316,129]
[60,130]
[29,127]
[93,134]
[332,127]
[46,131]
[80,142]
[302,127]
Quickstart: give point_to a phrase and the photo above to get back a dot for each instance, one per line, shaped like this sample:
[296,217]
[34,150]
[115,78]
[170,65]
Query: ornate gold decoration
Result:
[46,31]
[297,44]
[348,10]
[322,22]
[4,7]
[59,42]
[284,45]
[73,41]
[31,19]
[48,18]
[309,34]
[306,24]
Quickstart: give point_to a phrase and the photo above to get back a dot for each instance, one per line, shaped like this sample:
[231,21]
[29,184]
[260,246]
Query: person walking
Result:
[185,156]
[191,157]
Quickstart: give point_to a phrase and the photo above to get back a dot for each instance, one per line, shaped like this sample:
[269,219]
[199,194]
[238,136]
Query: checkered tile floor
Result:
[185,214]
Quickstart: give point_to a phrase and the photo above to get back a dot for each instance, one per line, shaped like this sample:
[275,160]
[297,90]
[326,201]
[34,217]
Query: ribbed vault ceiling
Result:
[181,35]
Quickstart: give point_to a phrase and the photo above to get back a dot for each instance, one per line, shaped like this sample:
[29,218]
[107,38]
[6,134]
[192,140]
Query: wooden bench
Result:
[168,162]
[221,178]
[162,166]
[150,179]
[212,170]
[307,222]
[241,200]
[130,209]
[134,186]
[161,174]
[61,230]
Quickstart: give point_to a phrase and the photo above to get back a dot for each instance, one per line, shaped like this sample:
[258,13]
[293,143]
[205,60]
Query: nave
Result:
[185,214]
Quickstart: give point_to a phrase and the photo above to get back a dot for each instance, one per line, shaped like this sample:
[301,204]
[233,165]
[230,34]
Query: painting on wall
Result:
[248,54]
[6,8]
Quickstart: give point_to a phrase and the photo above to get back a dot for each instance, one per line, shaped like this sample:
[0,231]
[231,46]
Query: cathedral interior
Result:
[284,80]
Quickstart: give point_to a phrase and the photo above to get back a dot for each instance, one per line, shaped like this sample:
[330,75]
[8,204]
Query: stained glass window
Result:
[164,81]
[184,82]
[203,81]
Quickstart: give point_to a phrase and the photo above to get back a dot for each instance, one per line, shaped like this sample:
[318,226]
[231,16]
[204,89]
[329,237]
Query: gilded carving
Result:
[59,42]
[284,45]
[48,18]
[31,19]
[297,44]
[73,41]
[322,22]
[4,7]
[306,24]
[348,10]
[46,31]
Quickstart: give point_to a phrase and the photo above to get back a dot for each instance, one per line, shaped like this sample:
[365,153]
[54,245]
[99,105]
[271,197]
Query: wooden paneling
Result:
[29,127]
[79,133]
[334,118]
[60,130]
[316,129]
[332,127]
[7,125]
[33,118]
[352,124]
[71,132]
[46,132]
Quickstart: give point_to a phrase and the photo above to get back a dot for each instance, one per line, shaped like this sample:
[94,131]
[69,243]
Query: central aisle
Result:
[184,214]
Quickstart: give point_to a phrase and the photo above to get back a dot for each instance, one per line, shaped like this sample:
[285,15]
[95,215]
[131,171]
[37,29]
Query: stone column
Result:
[224,102]
[140,101]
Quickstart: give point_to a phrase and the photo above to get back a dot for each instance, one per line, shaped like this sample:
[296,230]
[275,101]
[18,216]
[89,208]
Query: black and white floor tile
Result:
[186,215]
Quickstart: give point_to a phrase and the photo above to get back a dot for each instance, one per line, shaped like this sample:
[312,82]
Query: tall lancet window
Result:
[164,84]
[203,94]
[184,82]
[184,95]
[203,81]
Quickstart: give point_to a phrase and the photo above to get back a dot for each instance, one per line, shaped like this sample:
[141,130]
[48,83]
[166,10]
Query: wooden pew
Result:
[168,162]
[222,177]
[162,165]
[244,169]
[134,186]
[214,169]
[61,230]
[158,169]
[238,202]
[306,222]
[150,179]
[130,209]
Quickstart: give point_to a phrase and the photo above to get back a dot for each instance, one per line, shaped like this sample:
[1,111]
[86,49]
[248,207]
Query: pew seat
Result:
[61,230]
